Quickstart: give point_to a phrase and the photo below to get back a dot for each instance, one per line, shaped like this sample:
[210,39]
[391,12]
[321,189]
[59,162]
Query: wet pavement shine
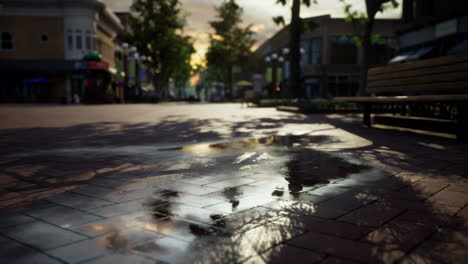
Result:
[317,192]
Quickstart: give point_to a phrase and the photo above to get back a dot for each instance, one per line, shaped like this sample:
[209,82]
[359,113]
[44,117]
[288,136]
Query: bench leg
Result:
[367,114]
[462,133]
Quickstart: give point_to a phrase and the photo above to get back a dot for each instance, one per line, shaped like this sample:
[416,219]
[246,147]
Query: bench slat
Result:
[423,80]
[447,86]
[406,99]
[429,63]
[460,67]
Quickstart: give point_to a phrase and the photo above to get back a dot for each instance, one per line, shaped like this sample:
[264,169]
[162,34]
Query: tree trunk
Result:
[295,88]
[367,45]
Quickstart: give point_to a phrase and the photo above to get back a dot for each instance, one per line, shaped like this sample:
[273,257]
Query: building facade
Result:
[43,46]
[432,28]
[330,58]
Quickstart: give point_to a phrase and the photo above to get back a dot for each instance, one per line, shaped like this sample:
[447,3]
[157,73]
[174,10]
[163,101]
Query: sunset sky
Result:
[259,13]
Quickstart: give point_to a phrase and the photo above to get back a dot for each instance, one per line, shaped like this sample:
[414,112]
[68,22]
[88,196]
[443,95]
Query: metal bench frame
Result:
[445,79]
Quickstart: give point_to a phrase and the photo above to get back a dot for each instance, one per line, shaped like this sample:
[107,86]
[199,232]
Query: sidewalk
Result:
[339,193]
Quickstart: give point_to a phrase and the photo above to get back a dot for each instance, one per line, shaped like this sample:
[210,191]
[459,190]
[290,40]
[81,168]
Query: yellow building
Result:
[42,46]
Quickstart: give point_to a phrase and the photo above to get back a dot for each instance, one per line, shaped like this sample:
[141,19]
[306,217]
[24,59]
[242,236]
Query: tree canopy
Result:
[156,29]
[230,45]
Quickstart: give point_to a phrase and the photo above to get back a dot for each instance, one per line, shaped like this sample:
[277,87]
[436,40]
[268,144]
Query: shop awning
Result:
[410,56]
[92,57]
[460,48]
[244,83]
[98,65]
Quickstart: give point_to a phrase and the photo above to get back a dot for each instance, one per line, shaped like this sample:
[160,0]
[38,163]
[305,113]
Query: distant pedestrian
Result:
[249,97]
[76,98]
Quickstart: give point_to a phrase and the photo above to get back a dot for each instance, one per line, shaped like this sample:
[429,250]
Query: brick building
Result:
[330,59]
[42,46]
[432,28]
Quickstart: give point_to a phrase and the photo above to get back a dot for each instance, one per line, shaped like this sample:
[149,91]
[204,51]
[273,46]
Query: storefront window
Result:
[88,40]
[79,40]
[316,51]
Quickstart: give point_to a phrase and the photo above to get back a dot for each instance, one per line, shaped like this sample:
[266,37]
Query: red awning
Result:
[98,65]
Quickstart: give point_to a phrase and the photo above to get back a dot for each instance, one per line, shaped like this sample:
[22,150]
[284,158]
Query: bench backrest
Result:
[446,74]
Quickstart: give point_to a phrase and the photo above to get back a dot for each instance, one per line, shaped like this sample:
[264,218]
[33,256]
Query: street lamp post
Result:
[125,69]
[275,61]
[286,53]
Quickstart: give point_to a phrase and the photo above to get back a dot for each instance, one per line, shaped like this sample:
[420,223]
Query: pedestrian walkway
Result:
[254,186]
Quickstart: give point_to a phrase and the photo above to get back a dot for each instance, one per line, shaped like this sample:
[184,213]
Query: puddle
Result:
[255,143]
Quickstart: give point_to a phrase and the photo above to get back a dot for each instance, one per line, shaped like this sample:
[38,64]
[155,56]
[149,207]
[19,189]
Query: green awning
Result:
[92,57]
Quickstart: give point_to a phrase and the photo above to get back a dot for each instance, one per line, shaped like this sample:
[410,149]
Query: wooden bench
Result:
[434,88]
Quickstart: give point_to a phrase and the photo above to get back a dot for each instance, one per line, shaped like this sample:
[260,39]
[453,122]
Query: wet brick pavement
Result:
[194,183]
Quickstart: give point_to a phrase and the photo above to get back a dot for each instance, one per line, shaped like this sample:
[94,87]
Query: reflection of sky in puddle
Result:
[242,174]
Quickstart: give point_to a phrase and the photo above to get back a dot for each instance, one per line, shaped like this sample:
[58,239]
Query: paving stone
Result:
[189,188]
[425,218]
[196,214]
[347,249]
[463,212]
[454,199]
[133,186]
[266,236]
[437,252]
[400,235]
[348,201]
[458,235]
[78,201]
[109,225]
[247,219]
[330,227]
[125,196]
[205,179]
[13,219]
[92,191]
[303,196]
[228,194]
[103,245]
[187,199]
[458,187]
[41,235]
[63,216]
[287,254]
[306,208]
[119,209]
[427,187]
[242,203]
[167,249]
[13,252]
[122,258]
[105,182]
[335,260]
[371,215]
[231,183]
[176,227]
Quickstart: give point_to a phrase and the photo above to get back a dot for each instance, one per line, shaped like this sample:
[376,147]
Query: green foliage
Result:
[157,31]
[231,43]
[361,19]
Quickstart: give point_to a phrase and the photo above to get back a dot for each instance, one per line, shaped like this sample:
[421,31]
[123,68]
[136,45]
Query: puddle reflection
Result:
[254,143]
